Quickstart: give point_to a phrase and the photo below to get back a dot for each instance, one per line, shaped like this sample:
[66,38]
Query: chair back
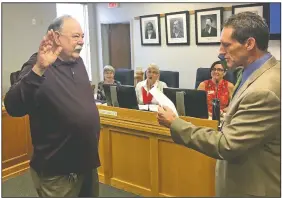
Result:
[204,74]
[125,76]
[171,78]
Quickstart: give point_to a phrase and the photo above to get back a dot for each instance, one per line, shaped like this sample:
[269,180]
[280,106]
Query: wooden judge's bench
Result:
[137,154]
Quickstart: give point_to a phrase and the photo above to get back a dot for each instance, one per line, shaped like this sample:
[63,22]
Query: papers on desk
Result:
[150,107]
[99,103]
[163,100]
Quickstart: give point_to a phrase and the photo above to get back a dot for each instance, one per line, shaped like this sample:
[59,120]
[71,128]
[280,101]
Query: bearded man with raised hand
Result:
[53,89]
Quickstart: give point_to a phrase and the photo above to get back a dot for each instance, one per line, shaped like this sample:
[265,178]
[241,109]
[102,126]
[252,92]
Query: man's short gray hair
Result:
[58,23]
[109,68]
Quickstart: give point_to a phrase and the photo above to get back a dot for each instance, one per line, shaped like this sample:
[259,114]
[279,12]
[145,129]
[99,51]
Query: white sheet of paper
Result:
[150,107]
[153,107]
[162,99]
[143,107]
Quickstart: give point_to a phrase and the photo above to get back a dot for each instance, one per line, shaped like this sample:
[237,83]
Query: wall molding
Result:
[191,12]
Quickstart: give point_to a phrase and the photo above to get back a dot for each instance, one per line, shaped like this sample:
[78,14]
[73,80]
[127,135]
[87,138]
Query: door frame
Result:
[131,42]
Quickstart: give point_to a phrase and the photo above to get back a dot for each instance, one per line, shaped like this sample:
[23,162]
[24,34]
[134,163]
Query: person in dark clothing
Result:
[177,29]
[150,32]
[209,30]
[53,89]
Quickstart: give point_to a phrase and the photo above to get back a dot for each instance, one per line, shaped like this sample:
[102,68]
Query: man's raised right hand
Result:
[47,54]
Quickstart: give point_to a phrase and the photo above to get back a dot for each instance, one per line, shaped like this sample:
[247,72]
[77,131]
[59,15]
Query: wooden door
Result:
[119,45]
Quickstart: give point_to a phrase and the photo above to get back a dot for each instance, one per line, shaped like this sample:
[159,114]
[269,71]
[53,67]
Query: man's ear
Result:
[250,43]
[56,36]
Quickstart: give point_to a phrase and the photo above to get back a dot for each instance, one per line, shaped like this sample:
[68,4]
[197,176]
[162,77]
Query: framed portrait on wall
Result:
[208,25]
[177,26]
[150,29]
[261,9]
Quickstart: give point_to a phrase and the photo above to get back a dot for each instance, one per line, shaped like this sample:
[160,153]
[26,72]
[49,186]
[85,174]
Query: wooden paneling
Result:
[136,154]
[16,144]
[131,151]
[145,161]
[15,170]
[101,156]
[17,135]
[184,166]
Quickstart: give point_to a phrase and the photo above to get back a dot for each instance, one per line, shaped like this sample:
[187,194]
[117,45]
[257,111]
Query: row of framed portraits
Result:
[208,25]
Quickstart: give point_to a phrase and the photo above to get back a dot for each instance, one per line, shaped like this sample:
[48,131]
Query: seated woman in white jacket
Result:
[142,88]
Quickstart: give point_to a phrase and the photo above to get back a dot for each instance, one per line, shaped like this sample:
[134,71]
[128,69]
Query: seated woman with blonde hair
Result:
[142,88]
[224,88]
[109,78]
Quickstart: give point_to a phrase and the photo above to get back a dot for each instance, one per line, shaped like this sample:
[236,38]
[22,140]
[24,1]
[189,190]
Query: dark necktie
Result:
[239,80]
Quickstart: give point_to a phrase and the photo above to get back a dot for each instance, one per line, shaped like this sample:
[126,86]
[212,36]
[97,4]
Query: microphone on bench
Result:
[216,105]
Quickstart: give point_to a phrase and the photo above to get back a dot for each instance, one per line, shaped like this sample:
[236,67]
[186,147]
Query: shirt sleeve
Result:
[256,122]
[138,92]
[19,100]
[164,85]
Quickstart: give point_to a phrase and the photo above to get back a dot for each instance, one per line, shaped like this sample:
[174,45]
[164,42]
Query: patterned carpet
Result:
[22,186]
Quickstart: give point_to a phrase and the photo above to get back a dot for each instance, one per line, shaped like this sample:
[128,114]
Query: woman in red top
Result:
[224,90]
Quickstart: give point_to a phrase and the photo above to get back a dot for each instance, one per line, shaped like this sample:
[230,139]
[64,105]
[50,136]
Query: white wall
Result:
[185,59]
[20,39]
[93,31]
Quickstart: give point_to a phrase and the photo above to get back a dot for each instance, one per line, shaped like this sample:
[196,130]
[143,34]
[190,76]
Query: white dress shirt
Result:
[159,84]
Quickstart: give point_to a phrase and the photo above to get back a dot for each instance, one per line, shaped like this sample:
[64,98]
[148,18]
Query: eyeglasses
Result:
[218,69]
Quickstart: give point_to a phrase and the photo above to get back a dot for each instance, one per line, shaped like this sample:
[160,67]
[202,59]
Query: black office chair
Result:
[125,76]
[204,74]
[14,77]
[171,78]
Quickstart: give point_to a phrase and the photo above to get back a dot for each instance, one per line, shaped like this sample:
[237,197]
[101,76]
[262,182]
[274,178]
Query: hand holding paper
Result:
[166,116]
[163,100]
[167,112]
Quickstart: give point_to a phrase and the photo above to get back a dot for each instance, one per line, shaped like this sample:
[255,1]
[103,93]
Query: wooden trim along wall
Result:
[190,12]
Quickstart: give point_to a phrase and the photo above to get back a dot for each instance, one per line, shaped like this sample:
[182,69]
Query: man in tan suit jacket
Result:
[248,145]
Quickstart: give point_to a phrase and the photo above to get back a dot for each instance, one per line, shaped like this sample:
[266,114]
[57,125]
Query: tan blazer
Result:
[248,148]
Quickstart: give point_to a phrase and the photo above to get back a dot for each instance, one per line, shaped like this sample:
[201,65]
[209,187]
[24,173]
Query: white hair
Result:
[109,68]
[154,66]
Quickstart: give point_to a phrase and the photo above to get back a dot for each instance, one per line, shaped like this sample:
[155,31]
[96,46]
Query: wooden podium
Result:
[137,154]
[16,145]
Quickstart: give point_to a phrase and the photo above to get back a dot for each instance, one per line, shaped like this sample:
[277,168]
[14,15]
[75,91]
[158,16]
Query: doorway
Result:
[116,45]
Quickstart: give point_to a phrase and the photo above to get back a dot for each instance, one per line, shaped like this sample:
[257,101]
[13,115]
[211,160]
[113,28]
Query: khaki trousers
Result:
[71,185]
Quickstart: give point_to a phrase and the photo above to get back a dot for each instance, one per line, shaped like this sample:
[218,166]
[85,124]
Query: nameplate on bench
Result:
[107,112]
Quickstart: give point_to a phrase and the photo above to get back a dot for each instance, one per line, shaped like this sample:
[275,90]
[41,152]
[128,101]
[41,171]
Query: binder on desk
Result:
[123,96]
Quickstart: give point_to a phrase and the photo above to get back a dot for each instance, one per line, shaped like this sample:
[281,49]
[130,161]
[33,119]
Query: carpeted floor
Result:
[22,186]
